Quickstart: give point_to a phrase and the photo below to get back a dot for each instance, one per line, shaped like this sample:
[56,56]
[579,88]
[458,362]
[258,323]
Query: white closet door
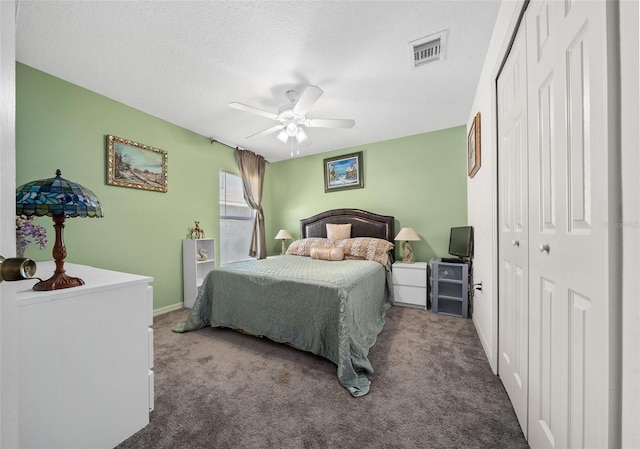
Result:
[514,228]
[569,198]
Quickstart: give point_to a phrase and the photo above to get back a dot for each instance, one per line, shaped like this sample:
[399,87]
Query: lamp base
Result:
[408,256]
[57,282]
[59,279]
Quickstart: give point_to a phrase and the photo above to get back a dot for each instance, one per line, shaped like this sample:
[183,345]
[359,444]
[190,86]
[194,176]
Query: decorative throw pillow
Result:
[338,231]
[327,253]
[303,247]
[367,248]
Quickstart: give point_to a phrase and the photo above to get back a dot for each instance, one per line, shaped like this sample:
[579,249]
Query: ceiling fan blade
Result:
[244,107]
[329,123]
[266,131]
[307,99]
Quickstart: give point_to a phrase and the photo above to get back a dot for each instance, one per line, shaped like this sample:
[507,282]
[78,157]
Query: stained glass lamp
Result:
[58,198]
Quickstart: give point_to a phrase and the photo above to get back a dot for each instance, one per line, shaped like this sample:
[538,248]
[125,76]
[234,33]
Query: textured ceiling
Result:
[184,61]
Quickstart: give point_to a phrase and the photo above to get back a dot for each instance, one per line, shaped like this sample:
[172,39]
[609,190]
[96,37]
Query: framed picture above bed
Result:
[343,172]
[131,164]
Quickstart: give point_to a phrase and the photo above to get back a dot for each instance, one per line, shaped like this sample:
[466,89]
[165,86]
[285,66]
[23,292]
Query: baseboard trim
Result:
[167,309]
[487,349]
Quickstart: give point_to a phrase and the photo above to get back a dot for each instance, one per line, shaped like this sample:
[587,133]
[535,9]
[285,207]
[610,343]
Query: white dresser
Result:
[85,359]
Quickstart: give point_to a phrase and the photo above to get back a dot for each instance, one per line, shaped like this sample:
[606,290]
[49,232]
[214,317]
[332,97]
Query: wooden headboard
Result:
[363,224]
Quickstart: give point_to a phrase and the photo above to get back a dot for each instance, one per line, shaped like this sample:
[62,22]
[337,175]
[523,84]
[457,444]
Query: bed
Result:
[332,308]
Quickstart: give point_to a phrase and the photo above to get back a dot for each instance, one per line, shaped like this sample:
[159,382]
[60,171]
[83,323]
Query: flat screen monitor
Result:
[461,241]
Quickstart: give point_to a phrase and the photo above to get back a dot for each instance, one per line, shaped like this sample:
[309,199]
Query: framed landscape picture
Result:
[130,164]
[343,172]
[473,147]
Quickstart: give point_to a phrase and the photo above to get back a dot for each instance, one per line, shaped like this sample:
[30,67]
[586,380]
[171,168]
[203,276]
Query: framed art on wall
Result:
[343,172]
[130,164]
[473,147]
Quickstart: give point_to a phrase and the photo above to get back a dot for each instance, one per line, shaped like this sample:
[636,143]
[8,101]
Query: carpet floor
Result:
[432,388]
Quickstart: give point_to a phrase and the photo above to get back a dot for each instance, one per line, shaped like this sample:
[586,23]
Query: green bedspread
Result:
[334,309]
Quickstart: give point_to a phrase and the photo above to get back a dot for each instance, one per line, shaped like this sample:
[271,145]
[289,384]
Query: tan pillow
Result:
[327,253]
[367,248]
[338,231]
[303,247]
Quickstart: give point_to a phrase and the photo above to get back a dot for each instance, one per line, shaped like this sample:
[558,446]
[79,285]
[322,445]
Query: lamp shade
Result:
[407,235]
[283,136]
[282,235]
[58,198]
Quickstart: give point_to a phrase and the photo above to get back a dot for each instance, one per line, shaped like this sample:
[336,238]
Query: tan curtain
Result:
[252,167]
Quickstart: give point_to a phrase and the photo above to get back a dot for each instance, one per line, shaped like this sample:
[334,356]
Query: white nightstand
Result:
[410,284]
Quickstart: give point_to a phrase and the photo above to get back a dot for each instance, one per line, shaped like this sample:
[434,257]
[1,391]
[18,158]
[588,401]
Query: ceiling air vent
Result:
[428,49]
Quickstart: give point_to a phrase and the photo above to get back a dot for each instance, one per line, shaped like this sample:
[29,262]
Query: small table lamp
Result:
[284,235]
[407,234]
[57,198]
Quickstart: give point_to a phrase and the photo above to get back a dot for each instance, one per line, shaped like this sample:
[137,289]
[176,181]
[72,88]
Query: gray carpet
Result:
[432,388]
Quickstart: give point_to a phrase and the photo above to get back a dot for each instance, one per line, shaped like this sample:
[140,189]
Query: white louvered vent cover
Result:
[426,52]
[428,49]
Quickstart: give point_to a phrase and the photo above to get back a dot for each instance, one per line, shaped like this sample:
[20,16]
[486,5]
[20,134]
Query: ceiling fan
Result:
[292,117]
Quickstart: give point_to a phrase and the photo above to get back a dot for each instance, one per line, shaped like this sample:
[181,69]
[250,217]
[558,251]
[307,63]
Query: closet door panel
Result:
[570,402]
[578,139]
[513,224]
[579,317]
[556,249]
[550,414]
[545,186]
[549,369]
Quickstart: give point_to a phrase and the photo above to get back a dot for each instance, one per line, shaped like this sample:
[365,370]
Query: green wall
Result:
[61,125]
[421,180]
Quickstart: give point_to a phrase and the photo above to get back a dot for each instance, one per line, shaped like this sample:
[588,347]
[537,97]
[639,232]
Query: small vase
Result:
[202,254]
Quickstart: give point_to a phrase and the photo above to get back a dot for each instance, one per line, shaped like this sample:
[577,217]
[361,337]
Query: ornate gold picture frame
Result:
[130,164]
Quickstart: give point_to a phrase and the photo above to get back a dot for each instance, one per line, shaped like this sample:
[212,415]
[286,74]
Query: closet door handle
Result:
[544,248]
[516,243]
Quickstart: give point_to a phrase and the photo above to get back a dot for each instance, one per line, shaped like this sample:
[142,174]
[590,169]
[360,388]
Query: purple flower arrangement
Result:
[25,231]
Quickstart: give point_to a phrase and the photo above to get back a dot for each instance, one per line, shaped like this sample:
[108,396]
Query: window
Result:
[236,220]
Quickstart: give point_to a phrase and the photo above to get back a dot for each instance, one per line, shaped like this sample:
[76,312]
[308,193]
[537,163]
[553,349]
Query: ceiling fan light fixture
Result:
[292,128]
[292,116]
[301,136]
[283,136]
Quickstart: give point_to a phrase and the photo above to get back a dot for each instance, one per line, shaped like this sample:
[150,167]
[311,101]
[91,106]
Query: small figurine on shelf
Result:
[202,254]
[196,232]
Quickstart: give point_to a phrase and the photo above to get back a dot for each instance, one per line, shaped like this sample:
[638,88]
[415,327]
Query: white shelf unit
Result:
[193,269]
